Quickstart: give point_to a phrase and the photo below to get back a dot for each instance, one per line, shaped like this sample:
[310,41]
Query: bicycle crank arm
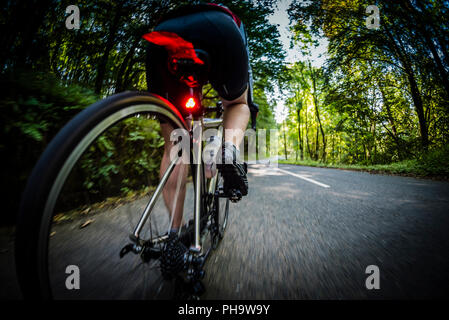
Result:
[234,195]
[132,247]
[147,253]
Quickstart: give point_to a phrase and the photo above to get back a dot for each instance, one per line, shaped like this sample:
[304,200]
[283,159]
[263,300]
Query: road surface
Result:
[301,233]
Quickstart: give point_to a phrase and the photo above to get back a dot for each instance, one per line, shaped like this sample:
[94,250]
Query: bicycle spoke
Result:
[115,211]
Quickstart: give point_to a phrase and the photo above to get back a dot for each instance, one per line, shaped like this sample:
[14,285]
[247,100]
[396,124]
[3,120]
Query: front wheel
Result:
[86,195]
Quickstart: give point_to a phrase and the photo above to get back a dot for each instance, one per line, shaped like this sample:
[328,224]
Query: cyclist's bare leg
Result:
[169,191]
[235,120]
[235,116]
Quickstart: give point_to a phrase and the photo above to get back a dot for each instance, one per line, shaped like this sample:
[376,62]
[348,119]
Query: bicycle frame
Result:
[196,139]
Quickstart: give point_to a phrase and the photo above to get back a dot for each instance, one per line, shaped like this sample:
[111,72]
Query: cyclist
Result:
[216,30]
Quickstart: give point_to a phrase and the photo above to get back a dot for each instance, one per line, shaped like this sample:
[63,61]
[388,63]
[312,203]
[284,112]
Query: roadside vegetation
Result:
[432,165]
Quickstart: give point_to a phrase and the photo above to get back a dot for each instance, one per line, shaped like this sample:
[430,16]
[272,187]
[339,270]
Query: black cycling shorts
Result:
[214,32]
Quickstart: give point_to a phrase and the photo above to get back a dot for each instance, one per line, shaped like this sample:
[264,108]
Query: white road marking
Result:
[304,178]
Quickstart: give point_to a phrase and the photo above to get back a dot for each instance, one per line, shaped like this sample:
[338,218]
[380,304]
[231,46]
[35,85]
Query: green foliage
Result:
[382,95]
[34,107]
[265,118]
[430,165]
[434,162]
[37,104]
[122,160]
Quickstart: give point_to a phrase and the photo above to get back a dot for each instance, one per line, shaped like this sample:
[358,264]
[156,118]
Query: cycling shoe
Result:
[234,173]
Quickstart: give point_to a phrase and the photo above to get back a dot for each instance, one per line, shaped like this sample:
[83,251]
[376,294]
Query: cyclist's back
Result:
[211,28]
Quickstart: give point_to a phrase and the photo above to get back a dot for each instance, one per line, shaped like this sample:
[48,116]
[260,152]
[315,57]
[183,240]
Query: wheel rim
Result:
[66,169]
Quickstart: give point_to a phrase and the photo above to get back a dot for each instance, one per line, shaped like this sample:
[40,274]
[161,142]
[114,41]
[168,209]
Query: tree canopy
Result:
[382,94]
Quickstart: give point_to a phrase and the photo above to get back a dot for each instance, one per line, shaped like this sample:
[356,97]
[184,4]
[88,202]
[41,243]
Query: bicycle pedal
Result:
[235,195]
[126,249]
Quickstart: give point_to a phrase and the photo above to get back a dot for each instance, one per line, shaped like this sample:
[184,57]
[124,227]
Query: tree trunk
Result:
[285,143]
[101,69]
[315,102]
[394,133]
[438,62]
[307,137]
[333,147]
[125,66]
[419,109]
[421,26]
[416,95]
[339,149]
[317,144]
[301,149]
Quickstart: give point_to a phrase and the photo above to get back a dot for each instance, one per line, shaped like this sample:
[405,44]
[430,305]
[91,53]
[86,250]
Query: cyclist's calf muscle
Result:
[235,117]
[169,191]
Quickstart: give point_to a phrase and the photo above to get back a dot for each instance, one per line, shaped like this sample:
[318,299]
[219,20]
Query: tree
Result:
[399,66]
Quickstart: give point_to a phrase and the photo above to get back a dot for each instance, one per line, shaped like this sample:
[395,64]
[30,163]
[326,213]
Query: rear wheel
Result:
[86,196]
[220,213]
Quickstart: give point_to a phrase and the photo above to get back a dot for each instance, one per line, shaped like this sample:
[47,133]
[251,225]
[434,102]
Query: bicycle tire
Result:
[35,213]
[221,214]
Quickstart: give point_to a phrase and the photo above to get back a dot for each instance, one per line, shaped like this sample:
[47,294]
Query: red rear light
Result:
[190,104]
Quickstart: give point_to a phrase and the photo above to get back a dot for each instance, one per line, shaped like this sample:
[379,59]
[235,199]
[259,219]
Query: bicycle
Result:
[73,208]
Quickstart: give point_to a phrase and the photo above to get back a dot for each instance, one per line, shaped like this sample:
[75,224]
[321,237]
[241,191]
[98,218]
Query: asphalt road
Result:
[301,233]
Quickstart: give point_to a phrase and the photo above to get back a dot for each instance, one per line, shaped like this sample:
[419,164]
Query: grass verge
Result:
[411,168]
